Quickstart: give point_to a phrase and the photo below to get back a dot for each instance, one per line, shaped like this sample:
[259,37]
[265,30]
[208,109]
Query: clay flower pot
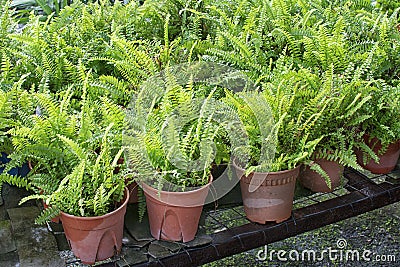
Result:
[267,196]
[174,216]
[45,206]
[55,219]
[133,192]
[96,238]
[387,161]
[315,182]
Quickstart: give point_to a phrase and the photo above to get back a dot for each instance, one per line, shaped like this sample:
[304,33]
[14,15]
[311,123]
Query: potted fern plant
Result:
[74,156]
[13,101]
[382,130]
[35,135]
[5,142]
[6,122]
[91,200]
[340,102]
[170,150]
[278,144]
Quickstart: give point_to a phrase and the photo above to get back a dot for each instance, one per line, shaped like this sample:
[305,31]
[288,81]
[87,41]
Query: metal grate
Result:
[224,230]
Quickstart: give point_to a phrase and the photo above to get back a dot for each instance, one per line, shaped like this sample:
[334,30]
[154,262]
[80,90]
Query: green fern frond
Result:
[47,214]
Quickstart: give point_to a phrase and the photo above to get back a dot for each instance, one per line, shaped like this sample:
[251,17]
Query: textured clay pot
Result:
[174,216]
[315,182]
[96,238]
[268,196]
[387,161]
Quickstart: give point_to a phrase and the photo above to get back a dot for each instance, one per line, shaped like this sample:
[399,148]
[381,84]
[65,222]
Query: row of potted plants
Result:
[320,97]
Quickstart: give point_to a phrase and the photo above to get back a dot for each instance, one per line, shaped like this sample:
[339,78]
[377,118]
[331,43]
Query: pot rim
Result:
[87,218]
[197,189]
[266,173]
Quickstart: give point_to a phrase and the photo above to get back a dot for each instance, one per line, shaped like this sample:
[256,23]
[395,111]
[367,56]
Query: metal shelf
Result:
[225,231]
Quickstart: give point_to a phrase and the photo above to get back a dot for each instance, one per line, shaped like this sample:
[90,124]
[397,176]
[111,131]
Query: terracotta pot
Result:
[268,196]
[56,219]
[174,216]
[96,238]
[45,206]
[133,192]
[120,161]
[387,161]
[315,182]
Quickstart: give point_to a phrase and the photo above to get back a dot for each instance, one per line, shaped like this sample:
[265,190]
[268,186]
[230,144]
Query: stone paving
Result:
[22,242]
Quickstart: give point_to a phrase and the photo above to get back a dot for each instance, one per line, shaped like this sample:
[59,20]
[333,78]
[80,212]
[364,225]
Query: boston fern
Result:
[344,102]
[329,109]
[35,137]
[171,133]
[6,121]
[278,140]
[385,107]
[92,188]
[308,117]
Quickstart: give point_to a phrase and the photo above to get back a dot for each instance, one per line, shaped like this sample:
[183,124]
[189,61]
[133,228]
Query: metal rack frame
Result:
[229,236]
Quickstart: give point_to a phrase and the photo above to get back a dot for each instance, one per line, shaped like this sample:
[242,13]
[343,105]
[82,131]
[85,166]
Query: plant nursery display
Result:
[97,96]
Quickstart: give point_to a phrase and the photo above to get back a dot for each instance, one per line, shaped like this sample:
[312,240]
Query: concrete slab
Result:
[7,243]
[36,246]
[39,256]
[140,231]
[23,217]
[131,257]
[9,259]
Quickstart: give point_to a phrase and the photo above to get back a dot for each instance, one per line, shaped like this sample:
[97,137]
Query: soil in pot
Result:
[315,182]
[96,238]
[387,161]
[268,196]
[174,216]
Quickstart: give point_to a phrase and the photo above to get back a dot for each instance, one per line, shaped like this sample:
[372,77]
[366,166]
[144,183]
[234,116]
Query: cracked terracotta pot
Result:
[174,216]
[387,161]
[315,182]
[267,196]
[96,238]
